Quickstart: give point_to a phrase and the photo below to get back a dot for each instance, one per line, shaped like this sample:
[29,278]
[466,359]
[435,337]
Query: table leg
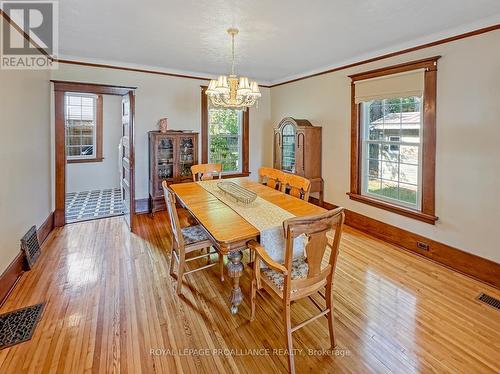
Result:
[235,270]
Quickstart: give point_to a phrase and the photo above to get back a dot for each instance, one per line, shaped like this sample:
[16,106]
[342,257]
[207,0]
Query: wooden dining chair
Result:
[203,172]
[297,186]
[187,240]
[303,276]
[271,177]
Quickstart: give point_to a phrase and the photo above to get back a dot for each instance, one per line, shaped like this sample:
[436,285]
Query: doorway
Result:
[87,184]
[93,134]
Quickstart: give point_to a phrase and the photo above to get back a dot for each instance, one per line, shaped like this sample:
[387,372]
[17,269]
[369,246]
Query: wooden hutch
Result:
[171,155]
[297,150]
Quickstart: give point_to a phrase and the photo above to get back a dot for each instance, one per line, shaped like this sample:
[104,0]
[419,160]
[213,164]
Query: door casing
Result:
[60,88]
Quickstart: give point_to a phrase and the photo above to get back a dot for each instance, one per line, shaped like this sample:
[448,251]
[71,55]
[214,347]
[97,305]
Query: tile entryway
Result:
[86,205]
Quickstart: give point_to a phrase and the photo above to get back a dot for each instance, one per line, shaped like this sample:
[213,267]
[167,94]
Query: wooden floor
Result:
[111,307]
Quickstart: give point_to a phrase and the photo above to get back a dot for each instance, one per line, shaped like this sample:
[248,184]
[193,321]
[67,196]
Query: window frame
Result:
[244,137]
[426,212]
[97,157]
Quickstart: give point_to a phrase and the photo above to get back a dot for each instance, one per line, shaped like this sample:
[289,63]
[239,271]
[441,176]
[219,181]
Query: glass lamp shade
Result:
[211,87]
[222,86]
[243,87]
[255,89]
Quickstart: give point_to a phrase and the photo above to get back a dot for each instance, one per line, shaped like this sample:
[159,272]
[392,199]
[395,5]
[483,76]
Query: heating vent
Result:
[490,300]
[19,325]
[31,246]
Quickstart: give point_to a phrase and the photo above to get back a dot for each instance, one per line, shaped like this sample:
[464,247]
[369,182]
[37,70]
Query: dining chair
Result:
[187,240]
[303,276]
[271,177]
[203,172]
[297,186]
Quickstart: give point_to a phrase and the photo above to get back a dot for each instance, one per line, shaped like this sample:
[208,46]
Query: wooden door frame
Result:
[60,88]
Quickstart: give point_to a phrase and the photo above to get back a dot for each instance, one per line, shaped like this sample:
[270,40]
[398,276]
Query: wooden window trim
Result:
[204,138]
[98,137]
[427,210]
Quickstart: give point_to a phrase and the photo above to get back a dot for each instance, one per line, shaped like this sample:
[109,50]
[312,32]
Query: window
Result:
[391,150]
[393,138]
[225,137]
[83,123]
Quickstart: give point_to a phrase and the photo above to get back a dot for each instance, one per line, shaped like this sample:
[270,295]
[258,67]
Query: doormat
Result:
[19,325]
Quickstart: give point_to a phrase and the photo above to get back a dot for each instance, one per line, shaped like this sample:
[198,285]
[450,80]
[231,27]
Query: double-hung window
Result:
[83,123]
[391,150]
[225,138]
[393,138]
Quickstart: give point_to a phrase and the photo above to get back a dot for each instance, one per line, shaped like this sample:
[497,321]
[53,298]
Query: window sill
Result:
[85,160]
[420,216]
[236,175]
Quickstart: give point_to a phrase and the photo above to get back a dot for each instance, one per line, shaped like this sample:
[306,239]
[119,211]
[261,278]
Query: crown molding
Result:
[96,63]
[434,40]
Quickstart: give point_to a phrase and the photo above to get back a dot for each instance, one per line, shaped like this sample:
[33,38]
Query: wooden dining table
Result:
[229,231]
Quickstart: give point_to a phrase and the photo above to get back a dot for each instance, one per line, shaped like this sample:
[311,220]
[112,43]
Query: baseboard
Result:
[11,276]
[46,228]
[142,206]
[326,204]
[479,268]
[17,267]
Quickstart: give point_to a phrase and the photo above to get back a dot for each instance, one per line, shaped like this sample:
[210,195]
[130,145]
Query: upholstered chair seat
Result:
[194,234]
[299,271]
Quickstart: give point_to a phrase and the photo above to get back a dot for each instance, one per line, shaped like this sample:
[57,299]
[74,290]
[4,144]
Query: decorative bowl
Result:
[239,193]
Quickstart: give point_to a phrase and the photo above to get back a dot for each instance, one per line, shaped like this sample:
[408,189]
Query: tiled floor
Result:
[82,206]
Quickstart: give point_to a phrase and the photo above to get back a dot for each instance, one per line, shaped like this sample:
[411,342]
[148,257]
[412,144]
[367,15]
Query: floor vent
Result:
[31,246]
[489,300]
[19,325]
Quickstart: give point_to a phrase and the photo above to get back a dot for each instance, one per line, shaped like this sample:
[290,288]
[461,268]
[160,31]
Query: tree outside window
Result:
[225,138]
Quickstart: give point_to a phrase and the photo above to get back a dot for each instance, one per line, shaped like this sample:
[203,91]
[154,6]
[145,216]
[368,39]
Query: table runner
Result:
[266,217]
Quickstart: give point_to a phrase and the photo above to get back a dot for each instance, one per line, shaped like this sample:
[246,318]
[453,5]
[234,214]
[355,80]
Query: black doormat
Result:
[18,326]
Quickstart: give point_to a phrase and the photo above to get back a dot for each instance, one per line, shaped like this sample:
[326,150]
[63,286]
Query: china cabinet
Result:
[297,150]
[171,155]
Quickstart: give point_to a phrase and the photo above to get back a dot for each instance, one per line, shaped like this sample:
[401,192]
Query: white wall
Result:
[25,197]
[468,138]
[179,99]
[106,174]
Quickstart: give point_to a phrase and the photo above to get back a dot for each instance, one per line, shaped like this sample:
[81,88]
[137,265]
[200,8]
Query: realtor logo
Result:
[29,35]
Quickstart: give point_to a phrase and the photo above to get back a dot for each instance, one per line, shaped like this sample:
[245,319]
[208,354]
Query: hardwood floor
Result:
[111,307]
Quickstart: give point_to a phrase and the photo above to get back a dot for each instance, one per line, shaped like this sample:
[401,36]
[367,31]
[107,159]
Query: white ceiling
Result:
[278,40]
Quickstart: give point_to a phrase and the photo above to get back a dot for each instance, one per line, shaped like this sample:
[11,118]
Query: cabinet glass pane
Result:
[288,148]
[186,156]
[165,158]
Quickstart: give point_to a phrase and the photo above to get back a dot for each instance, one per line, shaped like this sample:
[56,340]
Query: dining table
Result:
[227,228]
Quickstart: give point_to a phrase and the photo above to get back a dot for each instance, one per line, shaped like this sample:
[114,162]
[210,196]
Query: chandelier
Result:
[233,92]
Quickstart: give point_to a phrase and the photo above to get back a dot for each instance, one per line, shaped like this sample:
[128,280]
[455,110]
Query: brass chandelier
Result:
[233,92]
